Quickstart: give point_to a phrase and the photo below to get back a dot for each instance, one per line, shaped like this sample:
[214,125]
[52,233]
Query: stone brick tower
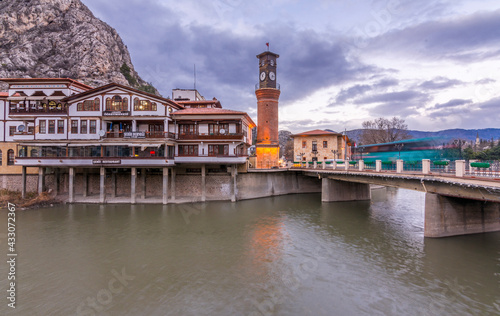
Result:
[268,93]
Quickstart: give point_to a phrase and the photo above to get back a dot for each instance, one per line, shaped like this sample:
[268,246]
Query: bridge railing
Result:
[412,166]
[370,165]
[443,166]
[483,169]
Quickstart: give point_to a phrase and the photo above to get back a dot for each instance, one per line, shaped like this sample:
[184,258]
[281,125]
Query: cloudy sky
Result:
[435,64]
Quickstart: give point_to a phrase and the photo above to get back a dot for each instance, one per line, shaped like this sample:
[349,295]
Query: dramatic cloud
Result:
[452,103]
[466,38]
[439,83]
[381,58]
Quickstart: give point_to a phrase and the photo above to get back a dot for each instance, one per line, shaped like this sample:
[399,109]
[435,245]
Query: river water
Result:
[288,255]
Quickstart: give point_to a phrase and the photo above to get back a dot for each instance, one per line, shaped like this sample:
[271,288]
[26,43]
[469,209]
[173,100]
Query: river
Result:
[287,255]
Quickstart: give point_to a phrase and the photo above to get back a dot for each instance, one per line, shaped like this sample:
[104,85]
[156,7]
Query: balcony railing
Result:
[139,135]
[238,136]
[39,110]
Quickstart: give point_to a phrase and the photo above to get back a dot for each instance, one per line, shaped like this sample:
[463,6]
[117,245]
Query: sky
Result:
[435,64]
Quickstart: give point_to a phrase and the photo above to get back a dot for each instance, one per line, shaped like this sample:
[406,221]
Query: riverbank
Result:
[32,199]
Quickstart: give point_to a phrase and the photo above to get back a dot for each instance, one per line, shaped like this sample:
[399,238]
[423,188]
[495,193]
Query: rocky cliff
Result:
[62,38]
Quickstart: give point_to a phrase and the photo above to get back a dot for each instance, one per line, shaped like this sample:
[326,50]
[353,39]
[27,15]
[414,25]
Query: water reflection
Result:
[289,255]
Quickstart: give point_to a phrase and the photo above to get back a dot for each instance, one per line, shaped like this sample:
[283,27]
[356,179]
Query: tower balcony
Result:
[278,87]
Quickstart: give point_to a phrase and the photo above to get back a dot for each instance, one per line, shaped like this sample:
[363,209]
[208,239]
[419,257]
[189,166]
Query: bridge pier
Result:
[450,216]
[338,191]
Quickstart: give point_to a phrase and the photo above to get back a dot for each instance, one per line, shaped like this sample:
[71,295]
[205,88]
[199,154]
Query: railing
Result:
[39,110]
[483,169]
[490,169]
[134,135]
[210,136]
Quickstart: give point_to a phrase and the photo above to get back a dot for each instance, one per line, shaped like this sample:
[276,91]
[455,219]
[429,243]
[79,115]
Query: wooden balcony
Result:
[233,136]
[57,110]
[135,135]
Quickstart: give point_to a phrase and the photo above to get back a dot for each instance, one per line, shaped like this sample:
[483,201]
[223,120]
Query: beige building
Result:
[320,145]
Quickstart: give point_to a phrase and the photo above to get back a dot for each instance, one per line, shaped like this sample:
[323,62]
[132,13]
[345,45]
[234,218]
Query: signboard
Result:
[116,113]
[106,161]
[134,134]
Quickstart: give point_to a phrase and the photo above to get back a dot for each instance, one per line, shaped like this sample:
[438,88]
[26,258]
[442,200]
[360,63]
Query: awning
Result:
[39,144]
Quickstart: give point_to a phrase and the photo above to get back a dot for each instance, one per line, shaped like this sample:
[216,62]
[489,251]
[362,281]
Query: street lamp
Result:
[301,156]
[399,147]
[360,150]
[458,142]
[334,152]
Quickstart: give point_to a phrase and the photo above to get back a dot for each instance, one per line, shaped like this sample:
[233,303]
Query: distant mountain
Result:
[62,38]
[448,134]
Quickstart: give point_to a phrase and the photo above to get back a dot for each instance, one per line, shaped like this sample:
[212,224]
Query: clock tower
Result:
[268,93]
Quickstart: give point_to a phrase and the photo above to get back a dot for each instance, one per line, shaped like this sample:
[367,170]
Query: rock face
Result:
[62,38]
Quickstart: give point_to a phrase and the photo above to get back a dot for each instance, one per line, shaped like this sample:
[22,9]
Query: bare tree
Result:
[382,130]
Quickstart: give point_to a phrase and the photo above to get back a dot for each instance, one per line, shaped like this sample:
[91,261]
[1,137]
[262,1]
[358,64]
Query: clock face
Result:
[272,62]
[262,76]
[272,76]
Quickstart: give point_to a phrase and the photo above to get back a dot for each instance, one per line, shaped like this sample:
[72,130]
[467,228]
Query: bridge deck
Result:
[483,189]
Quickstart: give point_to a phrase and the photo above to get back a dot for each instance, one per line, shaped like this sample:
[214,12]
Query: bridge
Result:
[459,199]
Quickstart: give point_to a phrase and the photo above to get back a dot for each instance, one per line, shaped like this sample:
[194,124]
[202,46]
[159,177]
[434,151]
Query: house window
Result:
[12,130]
[218,150]
[144,105]
[74,127]
[216,129]
[43,126]
[60,127]
[10,157]
[304,144]
[31,130]
[314,146]
[89,105]
[325,144]
[187,129]
[116,103]
[188,150]
[52,126]
[83,127]
[92,128]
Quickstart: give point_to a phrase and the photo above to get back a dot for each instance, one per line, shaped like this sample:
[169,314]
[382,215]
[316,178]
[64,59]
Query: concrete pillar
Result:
[23,180]
[460,168]
[338,191]
[346,165]
[113,184]
[143,183]
[133,175]
[426,166]
[399,166]
[361,165]
[290,164]
[102,185]
[57,182]
[71,187]
[324,164]
[315,165]
[448,216]
[165,185]
[172,194]
[334,165]
[85,182]
[41,180]
[378,165]
[234,172]
[203,183]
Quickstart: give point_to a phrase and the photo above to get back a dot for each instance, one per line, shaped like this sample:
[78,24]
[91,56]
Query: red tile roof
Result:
[20,80]
[316,132]
[4,94]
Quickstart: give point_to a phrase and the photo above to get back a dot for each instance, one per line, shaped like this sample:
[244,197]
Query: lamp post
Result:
[360,150]
[334,152]
[458,142]
[301,156]
[399,147]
